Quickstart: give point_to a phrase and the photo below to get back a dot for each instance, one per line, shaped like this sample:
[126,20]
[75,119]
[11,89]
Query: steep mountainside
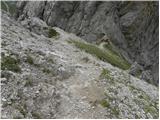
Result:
[47,76]
[131,26]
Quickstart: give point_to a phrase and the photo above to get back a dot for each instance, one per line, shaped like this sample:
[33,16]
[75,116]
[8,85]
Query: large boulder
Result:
[36,25]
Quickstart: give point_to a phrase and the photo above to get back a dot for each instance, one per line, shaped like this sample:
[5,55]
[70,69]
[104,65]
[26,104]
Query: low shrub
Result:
[30,60]
[52,33]
[104,103]
[45,70]
[10,63]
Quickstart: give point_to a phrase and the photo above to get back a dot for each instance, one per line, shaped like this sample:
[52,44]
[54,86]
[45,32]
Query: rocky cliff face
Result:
[49,77]
[131,26]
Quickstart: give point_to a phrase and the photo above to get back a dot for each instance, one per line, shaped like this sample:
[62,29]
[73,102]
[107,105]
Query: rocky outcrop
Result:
[50,78]
[131,26]
[36,25]
[135,69]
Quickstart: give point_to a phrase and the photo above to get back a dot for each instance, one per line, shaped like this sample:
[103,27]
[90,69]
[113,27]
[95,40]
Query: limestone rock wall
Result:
[131,26]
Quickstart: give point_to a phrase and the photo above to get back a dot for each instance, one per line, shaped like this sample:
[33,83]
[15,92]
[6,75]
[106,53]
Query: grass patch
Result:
[45,70]
[150,109]
[104,55]
[131,87]
[139,72]
[105,74]
[49,71]
[52,33]
[144,100]
[10,63]
[115,111]
[109,47]
[9,5]
[3,6]
[30,60]
[104,103]
[144,96]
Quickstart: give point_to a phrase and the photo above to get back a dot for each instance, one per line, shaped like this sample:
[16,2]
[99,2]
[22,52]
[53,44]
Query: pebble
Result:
[4,100]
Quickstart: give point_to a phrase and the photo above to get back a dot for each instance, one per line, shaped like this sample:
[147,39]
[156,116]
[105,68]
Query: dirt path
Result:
[81,92]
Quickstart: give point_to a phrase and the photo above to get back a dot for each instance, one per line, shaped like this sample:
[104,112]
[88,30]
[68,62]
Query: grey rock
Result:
[132,26]
[36,25]
[136,69]
[65,72]
[6,74]
[147,76]
[36,93]
[31,10]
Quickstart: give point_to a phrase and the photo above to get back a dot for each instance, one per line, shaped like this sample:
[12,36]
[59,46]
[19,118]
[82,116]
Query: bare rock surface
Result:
[50,79]
[132,26]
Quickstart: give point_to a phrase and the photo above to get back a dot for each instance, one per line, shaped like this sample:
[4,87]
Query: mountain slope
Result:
[51,78]
[132,26]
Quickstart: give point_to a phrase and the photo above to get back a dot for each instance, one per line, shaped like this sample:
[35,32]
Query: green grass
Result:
[149,106]
[48,71]
[138,73]
[104,55]
[152,110]
[110,48]
[115,111]
[52,33]
[11,5]
[30,60]
[105,74]
[104,103]
[10,63]
[45,70]
[3,6]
